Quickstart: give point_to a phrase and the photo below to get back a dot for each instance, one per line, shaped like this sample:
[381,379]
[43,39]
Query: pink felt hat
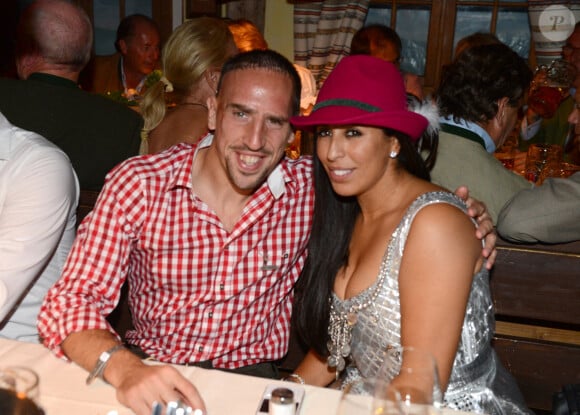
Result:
[364,90]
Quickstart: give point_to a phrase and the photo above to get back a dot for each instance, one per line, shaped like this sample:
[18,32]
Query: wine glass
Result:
[413,373]
[21,380]
[370,396]
[540,157]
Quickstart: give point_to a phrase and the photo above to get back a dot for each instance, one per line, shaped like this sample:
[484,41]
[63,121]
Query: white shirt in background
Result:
[38,198]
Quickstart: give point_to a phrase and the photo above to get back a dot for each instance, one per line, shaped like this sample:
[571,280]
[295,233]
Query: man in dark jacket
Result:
[54,44]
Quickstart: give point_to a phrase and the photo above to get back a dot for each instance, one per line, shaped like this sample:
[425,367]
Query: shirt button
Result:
[210,314]
[222,286]
[200,348]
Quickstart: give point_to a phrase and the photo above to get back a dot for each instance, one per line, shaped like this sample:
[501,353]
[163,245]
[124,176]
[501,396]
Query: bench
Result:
[536,293]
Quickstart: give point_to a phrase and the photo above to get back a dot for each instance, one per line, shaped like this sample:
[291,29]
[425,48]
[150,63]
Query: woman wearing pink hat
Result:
[393,259]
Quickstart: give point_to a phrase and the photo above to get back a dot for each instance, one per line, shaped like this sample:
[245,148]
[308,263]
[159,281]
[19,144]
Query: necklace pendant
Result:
[345,350]
[340,365]
[332,361]
[351,318]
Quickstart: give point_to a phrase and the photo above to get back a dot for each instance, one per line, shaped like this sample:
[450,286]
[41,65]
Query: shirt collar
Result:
[474,128]
[276,181]
[5,142]
[52,79]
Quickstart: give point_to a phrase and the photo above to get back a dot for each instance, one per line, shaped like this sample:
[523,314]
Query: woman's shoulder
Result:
[437,197]
[441,211]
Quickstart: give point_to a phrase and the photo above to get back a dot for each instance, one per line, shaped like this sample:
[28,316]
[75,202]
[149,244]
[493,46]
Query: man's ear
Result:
[502,105]
[123,46]
[212,112]
[27,64]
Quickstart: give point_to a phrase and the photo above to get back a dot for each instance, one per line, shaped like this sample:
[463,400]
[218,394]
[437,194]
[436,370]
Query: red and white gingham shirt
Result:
[197,292]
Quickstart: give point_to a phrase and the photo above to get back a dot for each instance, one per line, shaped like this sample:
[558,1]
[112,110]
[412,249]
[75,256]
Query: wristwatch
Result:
[99,368]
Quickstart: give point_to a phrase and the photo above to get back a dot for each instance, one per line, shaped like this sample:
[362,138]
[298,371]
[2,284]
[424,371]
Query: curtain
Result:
[323,31]
[551,22]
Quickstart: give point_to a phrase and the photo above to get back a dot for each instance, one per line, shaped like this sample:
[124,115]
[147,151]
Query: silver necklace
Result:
[341,324]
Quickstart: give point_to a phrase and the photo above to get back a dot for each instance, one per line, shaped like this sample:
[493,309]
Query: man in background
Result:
[548,213]
[138,45]
[556,128]
[385,43]
[477,120]
[53,45]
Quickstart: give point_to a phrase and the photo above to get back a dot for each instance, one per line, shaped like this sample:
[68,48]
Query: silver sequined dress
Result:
[478,381]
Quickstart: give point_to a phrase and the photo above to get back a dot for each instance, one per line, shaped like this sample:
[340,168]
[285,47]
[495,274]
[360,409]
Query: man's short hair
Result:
[128,27]
[480,76]
[265,59]
[58,31]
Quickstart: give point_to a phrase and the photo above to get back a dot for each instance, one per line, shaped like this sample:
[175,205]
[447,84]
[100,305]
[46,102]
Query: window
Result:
[430,30]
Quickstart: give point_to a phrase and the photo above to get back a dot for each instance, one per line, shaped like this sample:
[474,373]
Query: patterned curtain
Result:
[323,31]
[551,23]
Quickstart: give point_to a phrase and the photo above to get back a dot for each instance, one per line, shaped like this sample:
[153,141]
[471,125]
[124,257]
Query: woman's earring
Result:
[393,154]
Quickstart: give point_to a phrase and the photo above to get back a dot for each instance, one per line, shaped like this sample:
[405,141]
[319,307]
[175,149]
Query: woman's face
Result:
[354,157]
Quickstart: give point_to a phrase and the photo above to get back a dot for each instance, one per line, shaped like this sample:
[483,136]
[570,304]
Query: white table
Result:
[63,390]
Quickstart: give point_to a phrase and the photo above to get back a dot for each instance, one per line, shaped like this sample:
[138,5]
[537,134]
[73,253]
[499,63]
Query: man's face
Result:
[141,50]
[250,117]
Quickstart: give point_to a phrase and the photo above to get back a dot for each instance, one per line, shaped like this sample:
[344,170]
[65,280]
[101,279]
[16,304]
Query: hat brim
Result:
[406,121]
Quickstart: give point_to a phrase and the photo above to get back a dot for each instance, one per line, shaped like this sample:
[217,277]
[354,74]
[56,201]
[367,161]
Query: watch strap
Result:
[99,368]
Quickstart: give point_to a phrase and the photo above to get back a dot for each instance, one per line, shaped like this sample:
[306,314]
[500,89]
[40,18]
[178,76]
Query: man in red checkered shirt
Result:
[210,238]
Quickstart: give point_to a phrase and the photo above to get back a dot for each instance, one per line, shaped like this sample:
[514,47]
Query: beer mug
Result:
[550,87]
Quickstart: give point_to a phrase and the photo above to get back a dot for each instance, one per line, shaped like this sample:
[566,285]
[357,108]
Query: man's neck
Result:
[63,71]
[71,76]
[215,189]
[132,78]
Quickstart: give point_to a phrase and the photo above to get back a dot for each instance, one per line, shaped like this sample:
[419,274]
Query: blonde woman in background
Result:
[175,108]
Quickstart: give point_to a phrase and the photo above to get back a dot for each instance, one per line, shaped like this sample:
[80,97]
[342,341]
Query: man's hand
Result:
[138,385]
[143,385]
[485,229]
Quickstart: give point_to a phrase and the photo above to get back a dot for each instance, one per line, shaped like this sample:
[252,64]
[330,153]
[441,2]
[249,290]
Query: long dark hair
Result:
[333,223]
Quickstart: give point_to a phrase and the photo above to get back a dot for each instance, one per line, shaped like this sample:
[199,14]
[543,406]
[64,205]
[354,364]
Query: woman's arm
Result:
[314,370]
[441,256]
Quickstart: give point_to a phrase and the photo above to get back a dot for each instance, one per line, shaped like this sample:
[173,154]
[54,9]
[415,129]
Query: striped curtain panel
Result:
[551,23]
[323,31]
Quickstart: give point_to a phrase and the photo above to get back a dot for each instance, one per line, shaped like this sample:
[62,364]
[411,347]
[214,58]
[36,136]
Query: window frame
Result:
[442,29]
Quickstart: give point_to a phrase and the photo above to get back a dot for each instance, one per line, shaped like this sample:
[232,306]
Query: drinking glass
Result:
[22,380]
[561,170]
[540,157]
[413,373]
[369,396]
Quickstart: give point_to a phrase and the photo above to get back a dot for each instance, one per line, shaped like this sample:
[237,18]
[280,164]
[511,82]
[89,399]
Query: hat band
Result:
[341,102]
